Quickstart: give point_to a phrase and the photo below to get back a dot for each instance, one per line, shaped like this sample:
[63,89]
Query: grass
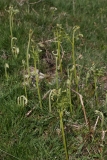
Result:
[59,113]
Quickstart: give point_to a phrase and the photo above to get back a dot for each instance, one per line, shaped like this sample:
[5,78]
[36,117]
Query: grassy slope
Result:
[37,137]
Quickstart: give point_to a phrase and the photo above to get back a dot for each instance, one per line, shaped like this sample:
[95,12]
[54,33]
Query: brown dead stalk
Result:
[83,107]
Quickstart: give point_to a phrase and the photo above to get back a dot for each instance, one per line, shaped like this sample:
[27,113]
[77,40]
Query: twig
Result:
[45,95]
[83,108]
[36,2]
[9,154]
[29,112]
[103,135]
[96,123]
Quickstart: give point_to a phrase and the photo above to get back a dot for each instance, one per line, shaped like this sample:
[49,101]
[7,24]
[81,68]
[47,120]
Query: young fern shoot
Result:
[35,57]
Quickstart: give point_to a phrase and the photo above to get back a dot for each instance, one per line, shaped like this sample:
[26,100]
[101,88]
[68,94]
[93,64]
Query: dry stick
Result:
[46,94]
[9,154]
[83,108]
[36,2]
[103,135]
[96,123]
[29,112]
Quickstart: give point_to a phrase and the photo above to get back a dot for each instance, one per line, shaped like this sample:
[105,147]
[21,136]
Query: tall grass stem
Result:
[63,134]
